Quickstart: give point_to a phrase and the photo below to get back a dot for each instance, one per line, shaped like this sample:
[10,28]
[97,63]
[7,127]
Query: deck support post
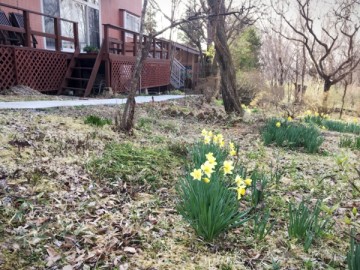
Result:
[27,28]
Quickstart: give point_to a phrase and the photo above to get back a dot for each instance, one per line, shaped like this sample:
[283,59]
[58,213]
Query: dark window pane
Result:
[52,8]
[94,31]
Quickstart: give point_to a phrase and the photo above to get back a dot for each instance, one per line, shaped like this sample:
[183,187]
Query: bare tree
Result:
[322,47]
[231,101]
[127,119]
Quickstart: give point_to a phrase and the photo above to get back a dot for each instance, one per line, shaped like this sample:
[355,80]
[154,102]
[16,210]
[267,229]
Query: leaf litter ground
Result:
[56,214]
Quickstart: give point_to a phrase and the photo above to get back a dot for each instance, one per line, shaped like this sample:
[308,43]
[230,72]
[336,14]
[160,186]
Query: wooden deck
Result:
[62,71]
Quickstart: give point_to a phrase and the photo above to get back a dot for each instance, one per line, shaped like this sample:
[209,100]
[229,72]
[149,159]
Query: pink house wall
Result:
[110,10]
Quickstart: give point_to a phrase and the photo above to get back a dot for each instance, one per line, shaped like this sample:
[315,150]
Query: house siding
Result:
[110,10]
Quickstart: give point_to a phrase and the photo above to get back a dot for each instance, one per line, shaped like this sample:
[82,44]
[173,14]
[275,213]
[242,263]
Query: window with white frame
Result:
[85,12]
[132,22]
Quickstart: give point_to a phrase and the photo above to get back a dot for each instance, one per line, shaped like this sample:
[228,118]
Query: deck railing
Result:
[28,30]
[125,42]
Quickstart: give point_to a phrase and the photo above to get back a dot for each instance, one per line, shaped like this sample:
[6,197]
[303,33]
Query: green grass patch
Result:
[94,120]
[135,164]
[353,255]
[305,224]
[292,135]
[349,142]
[333,125]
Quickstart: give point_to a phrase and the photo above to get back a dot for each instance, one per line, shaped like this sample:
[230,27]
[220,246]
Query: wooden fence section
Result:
[39,69]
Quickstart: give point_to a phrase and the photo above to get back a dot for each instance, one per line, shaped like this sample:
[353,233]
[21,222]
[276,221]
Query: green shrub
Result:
[353,255]
[135,164]
[306,225]
[97,121]
[292,135]
[333,125]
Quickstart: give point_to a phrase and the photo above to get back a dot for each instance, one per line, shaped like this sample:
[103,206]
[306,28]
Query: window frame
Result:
[88,5]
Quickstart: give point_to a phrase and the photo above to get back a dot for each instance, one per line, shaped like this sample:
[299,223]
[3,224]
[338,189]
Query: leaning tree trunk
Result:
[227,71]
[327,86]
[127,119]
[343,98]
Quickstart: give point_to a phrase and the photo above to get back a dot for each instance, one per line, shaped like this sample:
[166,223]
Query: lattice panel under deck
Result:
[154,73]
[41,70]
[7,68]
[121,75]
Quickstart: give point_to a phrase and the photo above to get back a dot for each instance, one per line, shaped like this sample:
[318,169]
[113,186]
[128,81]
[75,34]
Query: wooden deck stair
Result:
[74,73]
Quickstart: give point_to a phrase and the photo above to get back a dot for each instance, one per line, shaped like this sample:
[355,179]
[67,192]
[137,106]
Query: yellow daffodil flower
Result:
[355,120]
[215,139]
[241,191]
[207,168]
[196,174]
[239,181]
[206,180]
[204,132]
[228,167]
[210,134]
[323,127]
[218,139]
[211,159]
[289,118]
[207,140]
[231,145]
[232,152]
[248,181]
[278,124]
[308,112]
[221,143]
[316,114]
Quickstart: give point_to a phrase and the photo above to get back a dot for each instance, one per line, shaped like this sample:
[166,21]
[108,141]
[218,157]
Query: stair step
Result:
[83,68]
[77,79]
[73,88]
[87,56]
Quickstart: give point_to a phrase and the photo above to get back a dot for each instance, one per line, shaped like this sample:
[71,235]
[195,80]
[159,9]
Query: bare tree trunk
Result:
[227,71]
[343,98]
[127,119]
[327,86]
[303,72]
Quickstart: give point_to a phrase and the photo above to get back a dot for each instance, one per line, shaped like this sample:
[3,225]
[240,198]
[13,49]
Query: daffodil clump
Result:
[288,133]
[324,122]
[214,184]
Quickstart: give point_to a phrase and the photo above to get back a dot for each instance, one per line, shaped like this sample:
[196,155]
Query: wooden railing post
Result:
[123,40]
[154,46]
[106,38]
[168,50]
[57,31]
[76,36]
[162,49]
[27,27]
[135,44]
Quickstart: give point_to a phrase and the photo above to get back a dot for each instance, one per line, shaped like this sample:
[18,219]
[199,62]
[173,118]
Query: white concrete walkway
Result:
[81,102]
